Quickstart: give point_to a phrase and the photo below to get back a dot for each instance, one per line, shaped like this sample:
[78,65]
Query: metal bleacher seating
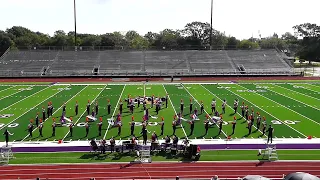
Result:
[119,62]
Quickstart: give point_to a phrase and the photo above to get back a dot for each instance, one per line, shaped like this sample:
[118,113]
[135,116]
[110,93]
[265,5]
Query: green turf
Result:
[293,108]
[218,155]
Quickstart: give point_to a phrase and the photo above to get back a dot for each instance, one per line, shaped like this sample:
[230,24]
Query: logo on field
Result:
[25,89]
[61,89]
[6,115]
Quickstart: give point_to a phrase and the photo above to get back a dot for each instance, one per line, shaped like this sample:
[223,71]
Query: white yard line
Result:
[13,93]
[57,110]
[283,106]
[8,88]
[231,108]
[267,112]
[296,92]
[30,109]
[115,109]
[85,110]
[174,110]
[204,109]
[307,88]
[294,100]
[25,98]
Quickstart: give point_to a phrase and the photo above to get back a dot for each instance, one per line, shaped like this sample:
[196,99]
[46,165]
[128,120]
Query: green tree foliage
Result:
[247,44]
[310,44]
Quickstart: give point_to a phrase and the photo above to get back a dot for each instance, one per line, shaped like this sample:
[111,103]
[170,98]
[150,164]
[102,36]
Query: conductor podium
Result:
[6,154]
[271,152]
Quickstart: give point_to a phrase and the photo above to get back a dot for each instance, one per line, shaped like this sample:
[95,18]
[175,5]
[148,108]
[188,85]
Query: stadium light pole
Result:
[211,25]
[75,23]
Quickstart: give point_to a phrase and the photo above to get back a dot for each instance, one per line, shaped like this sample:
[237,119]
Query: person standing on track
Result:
[270,133]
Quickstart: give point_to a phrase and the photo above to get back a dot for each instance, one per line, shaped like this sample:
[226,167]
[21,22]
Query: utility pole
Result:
[211,25]
[75,23]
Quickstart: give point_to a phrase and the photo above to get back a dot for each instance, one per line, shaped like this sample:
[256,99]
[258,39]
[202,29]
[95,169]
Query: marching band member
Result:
[48,110]
[190,108]
[154,141]
[191,127]
[258,120]
[206,126]
[224,103]
[120,106]
[247,113]
[195,111]
[201,107]
[162,126]
[76,108]
[181,106]
[64,108]
[249,125]
[112,144]
[30,128]
[132,125]
[235,105]
[138,101]
[213,106]
[43,113]
[97,107]
[174,126]
[71,127]
[53,127]
[243,109]
[51,109]
[87,127]
[37,119]
[119,128]
[100,126]
[167,97]
[6,136]
[264,125]
[152,99]
[252,115]
[109,107]
[93,113]
[88,108]
[40,128]
[220,124]
[234,123]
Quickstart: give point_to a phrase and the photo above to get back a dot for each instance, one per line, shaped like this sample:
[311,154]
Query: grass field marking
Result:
[86,109]
[308,88]
[295,100]
[25,98]
[13,93]
[7,88]
[282,105]
[30,109]
[204,109]
[230,107]
[296,92]
[174,110]
[56,110]
[268,113]
[115,109]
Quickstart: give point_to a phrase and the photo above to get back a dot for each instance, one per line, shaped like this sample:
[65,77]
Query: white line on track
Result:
[230,107]
[266,111]
[31,109]
[25,98]
[115,109]
[56,111]
[174,110]
[85,110]
[283,105]
[204,109]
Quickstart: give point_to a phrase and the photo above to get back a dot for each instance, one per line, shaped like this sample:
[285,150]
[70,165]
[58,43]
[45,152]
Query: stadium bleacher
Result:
[118,62]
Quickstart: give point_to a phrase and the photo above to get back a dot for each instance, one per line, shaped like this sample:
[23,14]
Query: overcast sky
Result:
[239,18]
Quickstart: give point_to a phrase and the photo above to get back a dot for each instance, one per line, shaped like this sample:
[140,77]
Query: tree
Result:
[232,43]
[310,45]
[5,42]
[246,44]
[198,33]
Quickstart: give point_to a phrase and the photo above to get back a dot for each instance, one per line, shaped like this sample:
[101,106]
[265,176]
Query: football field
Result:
[292,108]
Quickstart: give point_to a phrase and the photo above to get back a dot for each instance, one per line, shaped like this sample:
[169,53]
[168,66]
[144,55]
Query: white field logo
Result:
[25,89]
[61,89]
[5,115]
